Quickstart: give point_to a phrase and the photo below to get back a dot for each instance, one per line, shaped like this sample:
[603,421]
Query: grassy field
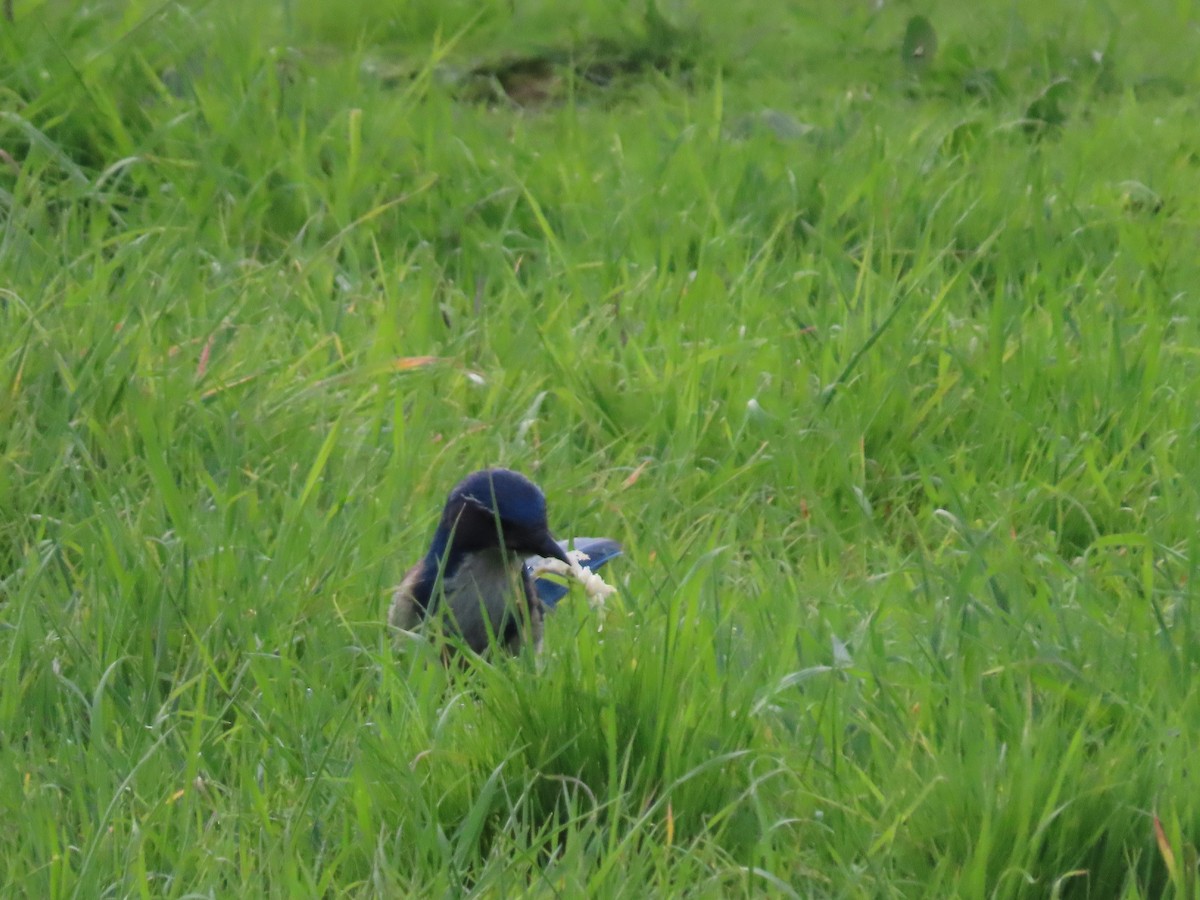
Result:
[870,329]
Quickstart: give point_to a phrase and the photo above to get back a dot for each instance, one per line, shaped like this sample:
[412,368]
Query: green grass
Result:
[886,374]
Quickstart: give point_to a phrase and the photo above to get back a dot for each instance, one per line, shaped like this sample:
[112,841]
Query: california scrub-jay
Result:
[478,574]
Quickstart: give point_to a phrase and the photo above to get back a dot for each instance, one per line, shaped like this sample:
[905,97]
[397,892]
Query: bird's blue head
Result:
[495,508]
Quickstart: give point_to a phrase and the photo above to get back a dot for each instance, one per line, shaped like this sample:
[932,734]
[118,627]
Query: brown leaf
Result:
[1164,847]
[635,474]
[405,363]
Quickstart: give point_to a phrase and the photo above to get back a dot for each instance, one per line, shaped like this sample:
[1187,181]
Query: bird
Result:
[477,577]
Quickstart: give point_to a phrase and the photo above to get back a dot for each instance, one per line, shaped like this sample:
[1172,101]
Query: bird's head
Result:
[496,508]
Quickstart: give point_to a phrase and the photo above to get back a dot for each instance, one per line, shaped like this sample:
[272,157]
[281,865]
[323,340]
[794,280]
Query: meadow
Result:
[868,328]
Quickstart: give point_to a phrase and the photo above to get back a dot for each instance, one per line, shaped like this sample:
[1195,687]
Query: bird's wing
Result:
[406,612]
[598,550]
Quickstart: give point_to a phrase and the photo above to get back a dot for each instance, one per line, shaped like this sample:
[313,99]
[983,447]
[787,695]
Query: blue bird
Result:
[477,576]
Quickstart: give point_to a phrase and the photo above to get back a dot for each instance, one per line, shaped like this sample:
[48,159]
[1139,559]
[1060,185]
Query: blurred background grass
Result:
[877,352]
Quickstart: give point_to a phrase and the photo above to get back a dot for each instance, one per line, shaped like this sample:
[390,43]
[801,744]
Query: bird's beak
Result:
[545,545]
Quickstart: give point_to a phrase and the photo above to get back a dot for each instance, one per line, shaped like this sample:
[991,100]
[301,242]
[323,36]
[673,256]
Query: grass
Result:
[884,371]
